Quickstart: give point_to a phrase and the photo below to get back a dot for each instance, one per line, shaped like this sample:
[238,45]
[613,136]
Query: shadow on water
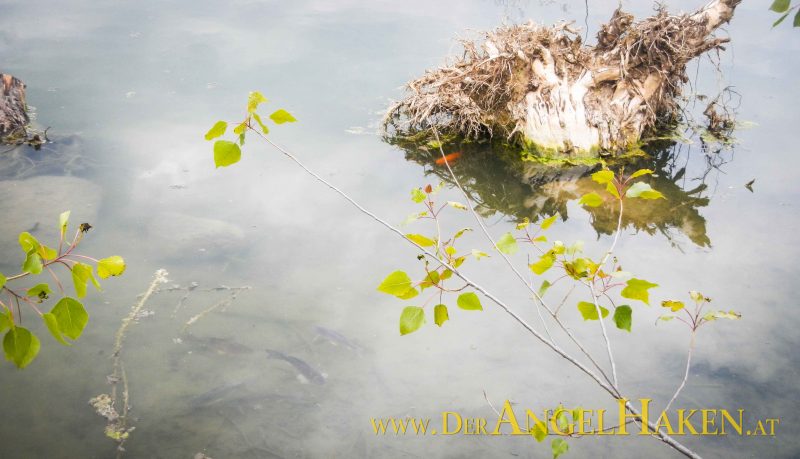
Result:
[499,182]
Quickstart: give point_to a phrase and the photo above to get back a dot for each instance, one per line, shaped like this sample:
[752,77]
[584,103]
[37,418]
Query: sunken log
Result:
[542,88]
[13,111]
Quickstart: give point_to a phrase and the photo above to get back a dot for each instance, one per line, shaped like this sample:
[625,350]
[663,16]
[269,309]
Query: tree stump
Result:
[13,111]
[542,88]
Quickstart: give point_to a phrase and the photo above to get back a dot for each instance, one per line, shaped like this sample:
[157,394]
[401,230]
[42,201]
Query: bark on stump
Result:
[13,111]
[543,88]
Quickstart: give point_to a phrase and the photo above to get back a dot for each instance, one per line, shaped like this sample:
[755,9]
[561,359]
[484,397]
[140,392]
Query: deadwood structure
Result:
[543,88]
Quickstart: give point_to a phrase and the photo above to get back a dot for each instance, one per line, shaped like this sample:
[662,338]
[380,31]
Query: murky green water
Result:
[129,89]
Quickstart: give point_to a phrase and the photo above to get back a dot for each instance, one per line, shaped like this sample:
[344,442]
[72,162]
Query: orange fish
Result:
[448,158]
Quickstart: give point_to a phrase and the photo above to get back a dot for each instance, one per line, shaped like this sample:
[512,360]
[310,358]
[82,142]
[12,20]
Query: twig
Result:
[663,436]
[686,374]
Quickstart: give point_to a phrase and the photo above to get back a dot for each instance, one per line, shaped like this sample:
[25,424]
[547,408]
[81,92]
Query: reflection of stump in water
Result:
[61,156]
[499,182]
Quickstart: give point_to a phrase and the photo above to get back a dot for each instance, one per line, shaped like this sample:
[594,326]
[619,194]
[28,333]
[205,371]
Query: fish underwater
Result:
[305,372]
[448,159]
[336,338]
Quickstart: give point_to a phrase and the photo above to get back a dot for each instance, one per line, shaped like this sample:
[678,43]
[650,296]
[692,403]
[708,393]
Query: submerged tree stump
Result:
[13,111]
[541,87]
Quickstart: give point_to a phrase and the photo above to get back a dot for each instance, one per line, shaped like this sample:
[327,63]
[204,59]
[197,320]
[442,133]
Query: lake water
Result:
[129,89]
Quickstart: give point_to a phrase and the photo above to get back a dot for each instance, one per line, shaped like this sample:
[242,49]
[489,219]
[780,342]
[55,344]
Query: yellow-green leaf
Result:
[456,205]
[440,315]
[282,116]
[545,262]
[52,325]
[603,177]
[40,291]
[71,317]
[547,222]
[523,224]
[507,244]
[591,199]
[63,220]
[640,173]
[397,283]
[417,195]
[226,153]
[254,99]
[558,446]
[111,266]
[589,310]
[674,306]
[411,319]
[217,130]
[264,128]
[469,301]
[644,191]
[421,240]
[637,289]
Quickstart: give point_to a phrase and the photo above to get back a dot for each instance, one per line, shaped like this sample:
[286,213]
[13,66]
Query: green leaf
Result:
[543,289]
[456,205]
[28,242]
[282,116]
[63,219]
[111,266]
[264,128]
[523,224]
[623,317]
[440,315]
[2,280]
[5,320]
[589,310]
[644,191]
[612,189]
[411,319]
[217,130]
[469,301]
[417,195]
[40,291]
[253,100]
[603,177]
[421,240]
[780,6]
[665,318]
[71,317]
[780,19]
[397,283]
[52,325]
[640,173]
[507,244]
[547,222]
[545,262]
[539,431]
[461,232]
[33,263]
[81,274]
[796,22]
[240,128]
[20,346]
[591,199]
[559,446]
[226,153]
[446,274]
[637,289]
[674,306]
